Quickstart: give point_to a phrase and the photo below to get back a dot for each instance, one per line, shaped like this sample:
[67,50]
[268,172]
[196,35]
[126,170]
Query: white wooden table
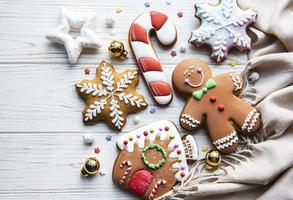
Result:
[41,128]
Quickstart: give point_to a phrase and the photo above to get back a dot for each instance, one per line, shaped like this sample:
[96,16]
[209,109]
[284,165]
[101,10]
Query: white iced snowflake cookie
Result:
[87,37]
[110,96]
[222,27]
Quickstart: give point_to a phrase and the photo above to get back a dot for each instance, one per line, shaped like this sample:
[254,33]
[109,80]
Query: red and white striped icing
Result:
[154,190]
[128,170]
[145,55]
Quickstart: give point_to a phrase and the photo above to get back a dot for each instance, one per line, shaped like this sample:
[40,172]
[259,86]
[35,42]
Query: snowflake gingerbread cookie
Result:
[110,96]
[152,159]
[223,26]
[214,98]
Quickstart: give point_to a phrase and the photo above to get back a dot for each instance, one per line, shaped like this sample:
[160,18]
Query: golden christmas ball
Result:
[90,166]
[117,50]
[213,159]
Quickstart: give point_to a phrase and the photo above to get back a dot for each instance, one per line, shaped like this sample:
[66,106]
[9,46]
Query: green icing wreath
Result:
[158,164]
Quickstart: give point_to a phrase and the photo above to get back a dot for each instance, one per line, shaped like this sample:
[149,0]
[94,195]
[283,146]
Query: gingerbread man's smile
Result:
[191,70]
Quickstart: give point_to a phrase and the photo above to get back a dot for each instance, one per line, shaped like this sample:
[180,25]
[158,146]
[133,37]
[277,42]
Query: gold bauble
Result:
[213,159]
[90,166]
[116,49]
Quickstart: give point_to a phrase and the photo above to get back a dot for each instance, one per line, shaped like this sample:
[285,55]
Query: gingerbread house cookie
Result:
[214,99]
[152,159]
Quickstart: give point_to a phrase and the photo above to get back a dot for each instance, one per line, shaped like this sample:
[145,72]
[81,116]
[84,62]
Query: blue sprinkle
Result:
[108,138]
[147,4]
[152,110]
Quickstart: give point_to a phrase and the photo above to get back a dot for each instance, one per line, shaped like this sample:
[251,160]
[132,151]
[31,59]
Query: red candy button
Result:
[182,174]
[166,128]
[125,142]
[213,99]
[178,151]
[145,133]
[221,107]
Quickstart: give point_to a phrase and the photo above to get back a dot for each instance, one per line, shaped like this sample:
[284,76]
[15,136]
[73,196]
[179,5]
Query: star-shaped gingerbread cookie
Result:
[223,26]
[110,96]
[78,23]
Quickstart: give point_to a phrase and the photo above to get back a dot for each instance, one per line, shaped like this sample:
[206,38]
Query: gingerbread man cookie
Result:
[152,159]
[110,96]
[215,99]
[223,26]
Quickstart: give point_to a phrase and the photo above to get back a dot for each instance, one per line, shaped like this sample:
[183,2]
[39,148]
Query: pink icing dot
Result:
[199,70]
[186,81]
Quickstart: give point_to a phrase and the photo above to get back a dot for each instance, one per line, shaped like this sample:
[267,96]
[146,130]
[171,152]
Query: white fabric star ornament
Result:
[87,37]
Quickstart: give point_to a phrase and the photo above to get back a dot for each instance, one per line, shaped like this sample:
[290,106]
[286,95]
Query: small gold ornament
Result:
[90,166]
[213,159]
[116,49]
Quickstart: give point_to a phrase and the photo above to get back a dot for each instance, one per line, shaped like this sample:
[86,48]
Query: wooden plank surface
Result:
[41,128]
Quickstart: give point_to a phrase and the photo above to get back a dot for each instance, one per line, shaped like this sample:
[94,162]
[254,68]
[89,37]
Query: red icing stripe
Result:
[147,64]
[160,88]
[140,182]
[138,33]
[158,19]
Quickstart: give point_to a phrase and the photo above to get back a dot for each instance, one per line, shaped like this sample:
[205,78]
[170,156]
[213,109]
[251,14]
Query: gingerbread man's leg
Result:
[246,117]
[191,116]
[222,134]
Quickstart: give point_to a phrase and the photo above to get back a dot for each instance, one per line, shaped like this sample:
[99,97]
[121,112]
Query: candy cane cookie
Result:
[145,55]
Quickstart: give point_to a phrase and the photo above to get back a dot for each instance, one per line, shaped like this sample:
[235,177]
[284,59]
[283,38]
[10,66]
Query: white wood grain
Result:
[41,129]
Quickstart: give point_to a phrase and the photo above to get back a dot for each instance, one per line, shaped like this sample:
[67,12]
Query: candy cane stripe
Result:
[160,88]
[145,55]
[127,172]
[155,188]
[158,19]
[138,33]
[149,64]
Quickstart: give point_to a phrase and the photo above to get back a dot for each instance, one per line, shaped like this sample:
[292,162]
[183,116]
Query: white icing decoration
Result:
[226,141]
[154,76]
[166,35]
[87,38]
[141,49]
[163,99]
[93,89]
[118,95]
[188,80]
[189,120]
[248,119]
[222,25]
[151,136]
[236,81]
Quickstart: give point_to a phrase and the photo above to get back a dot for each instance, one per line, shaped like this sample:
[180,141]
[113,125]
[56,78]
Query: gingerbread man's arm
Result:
[237,81]
[191,116]
[231,81]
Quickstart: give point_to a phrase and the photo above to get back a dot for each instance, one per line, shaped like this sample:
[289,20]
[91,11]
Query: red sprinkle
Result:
[97,150]
[213,99]
[166,128]
[182,174]
[125,142]
[178,151]
[145,133]
[173,53]
[221,107]
[180,14]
